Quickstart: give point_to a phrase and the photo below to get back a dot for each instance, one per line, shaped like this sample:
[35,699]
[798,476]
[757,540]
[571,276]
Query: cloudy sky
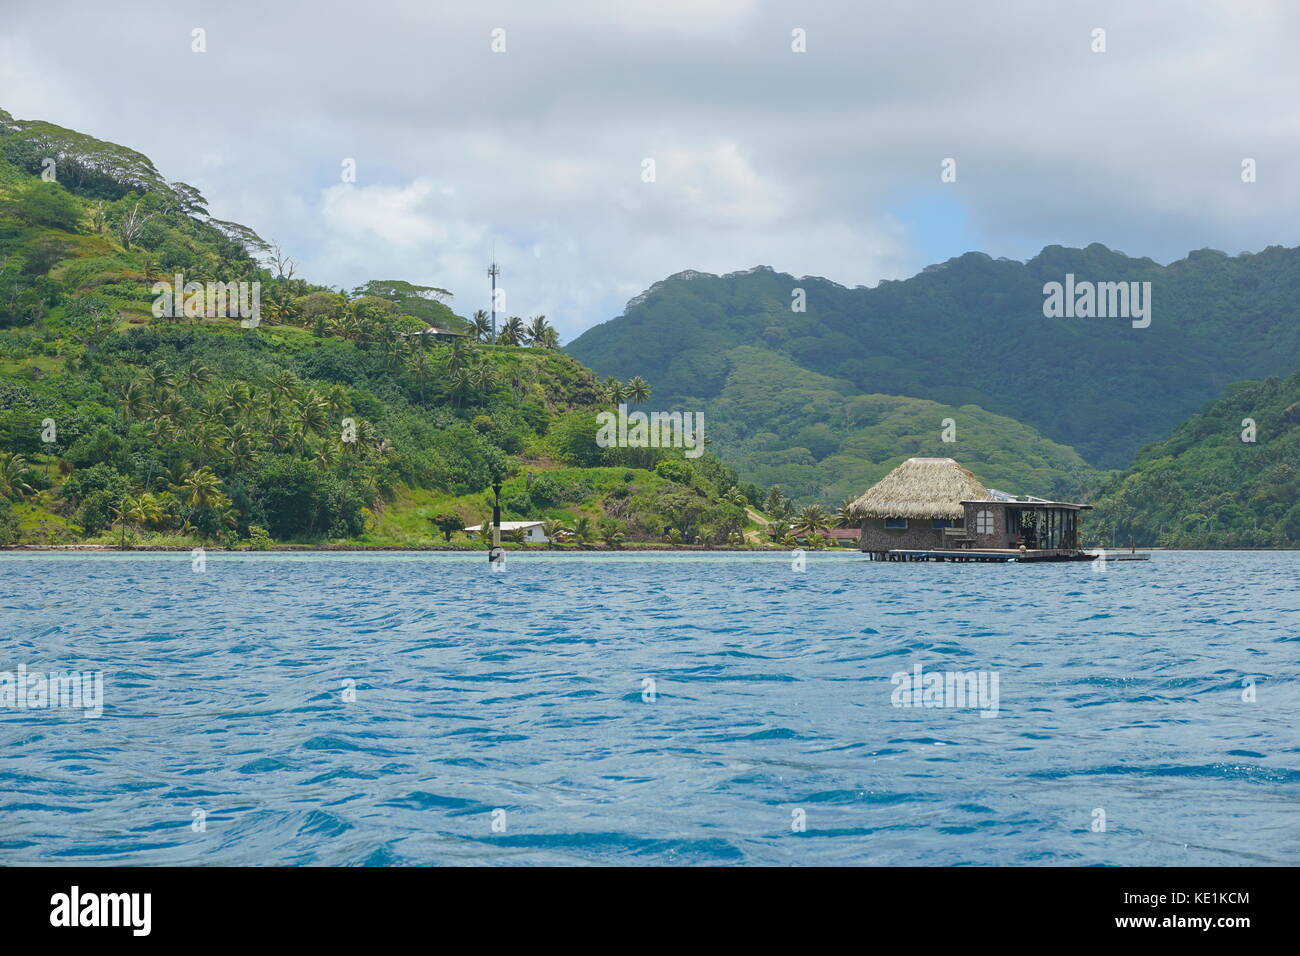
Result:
[825,162]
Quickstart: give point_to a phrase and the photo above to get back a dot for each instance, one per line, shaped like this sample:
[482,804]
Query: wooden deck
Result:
[984,555]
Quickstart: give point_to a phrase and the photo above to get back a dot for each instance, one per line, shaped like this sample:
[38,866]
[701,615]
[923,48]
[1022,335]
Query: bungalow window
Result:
[984,522]
[943,523]
[895,522]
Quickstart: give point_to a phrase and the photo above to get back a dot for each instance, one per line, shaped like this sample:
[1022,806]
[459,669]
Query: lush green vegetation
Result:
[821,443]
[332,420]
[338,421]
[971,332]
[1206,487]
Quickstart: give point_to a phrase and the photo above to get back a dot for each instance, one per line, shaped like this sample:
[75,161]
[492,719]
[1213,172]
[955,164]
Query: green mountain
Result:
[326,420]
[820,442]
[971,332]
[1206,487]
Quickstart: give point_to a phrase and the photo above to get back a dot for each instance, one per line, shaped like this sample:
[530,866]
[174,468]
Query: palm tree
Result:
[135,399]
[846,516]
[158,378]
[616,390]
[14,472]
[554,530]
[420,372]
[611,532]
[145,509]
[735,498]
[481,326]
[482,377]
[582,531]
[550,339]
[460,357]
[459,383]
[812,519]
[195,376]
[201,488]
[638,390]
[123,512]
[512,332]
[536,331]
[283,382]
[311,414]
[239,446]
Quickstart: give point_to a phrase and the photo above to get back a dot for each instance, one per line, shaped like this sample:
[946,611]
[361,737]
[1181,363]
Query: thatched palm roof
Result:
[921,488]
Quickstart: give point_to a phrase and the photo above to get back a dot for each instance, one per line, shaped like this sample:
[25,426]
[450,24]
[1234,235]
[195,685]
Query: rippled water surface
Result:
[527,692]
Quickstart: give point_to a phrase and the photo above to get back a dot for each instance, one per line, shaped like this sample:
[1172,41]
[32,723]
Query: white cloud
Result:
[806,162]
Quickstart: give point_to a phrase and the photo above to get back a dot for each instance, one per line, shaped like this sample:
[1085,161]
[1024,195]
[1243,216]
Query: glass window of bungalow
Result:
[946,523]
[895,522]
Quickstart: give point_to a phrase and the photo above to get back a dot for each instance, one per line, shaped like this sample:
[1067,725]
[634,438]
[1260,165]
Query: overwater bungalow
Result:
[933,509]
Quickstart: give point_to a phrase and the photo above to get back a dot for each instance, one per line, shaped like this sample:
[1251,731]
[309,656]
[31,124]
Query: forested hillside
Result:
[972,332]
[326,419]
[1206,487]
[778,424]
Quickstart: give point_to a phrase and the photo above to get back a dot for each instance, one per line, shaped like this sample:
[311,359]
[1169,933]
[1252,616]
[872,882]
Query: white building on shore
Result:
[532,530]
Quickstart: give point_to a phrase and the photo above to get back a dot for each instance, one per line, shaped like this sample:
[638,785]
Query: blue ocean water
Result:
[768,736]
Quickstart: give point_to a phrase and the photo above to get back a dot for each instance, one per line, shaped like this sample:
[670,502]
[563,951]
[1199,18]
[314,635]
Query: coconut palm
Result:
[311,414]
[195,376]
[611,532]
[512,331]
[734,497]
[459,383]
[239,446]
[812,520]
[615,389]
[14,475]
[158,379]
[282,383]
[135,398]
[554,530]
[583,531]
[460,357]
[846,516]
[536,330]
[201,488]
[638,390]
[481,326]
[122,512]
[482,377]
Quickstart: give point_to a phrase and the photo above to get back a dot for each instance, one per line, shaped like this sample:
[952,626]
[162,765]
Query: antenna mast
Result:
[493,271]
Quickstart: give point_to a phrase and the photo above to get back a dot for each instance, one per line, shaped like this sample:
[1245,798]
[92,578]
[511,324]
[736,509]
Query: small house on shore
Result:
[937,508]
[532,530]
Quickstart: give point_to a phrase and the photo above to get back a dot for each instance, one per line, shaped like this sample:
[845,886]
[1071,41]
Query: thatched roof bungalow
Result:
[934,504]
[922,488]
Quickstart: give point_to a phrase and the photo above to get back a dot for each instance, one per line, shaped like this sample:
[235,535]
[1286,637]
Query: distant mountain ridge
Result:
[971,331]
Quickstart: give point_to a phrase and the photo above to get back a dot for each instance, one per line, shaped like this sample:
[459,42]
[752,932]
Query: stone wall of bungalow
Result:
[984,527]
[987,526]
[919,535]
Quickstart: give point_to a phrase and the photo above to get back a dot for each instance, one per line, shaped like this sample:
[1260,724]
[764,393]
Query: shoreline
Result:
[361,549]
[513,550]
